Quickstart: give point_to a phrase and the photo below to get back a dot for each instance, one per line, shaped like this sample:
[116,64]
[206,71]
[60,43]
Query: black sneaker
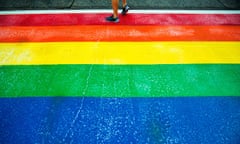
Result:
[125,10]
[112,19]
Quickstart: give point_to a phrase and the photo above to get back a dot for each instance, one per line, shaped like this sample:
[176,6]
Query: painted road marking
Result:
[96,11]
[120,80]
[119,53]
[131,19]
[119,33]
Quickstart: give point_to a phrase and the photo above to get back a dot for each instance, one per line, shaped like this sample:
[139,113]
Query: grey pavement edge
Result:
[106,4]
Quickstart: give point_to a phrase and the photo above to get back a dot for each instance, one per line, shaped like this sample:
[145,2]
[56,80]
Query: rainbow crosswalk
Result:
[152,78]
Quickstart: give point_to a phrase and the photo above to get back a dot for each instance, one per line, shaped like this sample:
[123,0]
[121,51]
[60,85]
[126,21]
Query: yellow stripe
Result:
[119,53]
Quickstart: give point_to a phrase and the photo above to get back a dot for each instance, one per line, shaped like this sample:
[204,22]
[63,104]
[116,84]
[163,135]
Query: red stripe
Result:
[130,19]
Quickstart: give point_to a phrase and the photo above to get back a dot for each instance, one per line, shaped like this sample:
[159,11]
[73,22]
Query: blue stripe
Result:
[193,120]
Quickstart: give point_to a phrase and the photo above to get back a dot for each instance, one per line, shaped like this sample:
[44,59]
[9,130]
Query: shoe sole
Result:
[113,21]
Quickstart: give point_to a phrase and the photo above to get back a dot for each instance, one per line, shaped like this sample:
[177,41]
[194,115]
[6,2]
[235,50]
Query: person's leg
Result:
[124,3]
[125,7]
[115,8]
[114,17]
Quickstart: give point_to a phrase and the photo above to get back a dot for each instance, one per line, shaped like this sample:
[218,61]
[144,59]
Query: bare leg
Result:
[124,2]
[115,8]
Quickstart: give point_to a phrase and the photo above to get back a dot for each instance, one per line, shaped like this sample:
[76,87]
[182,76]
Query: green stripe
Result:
[120,80]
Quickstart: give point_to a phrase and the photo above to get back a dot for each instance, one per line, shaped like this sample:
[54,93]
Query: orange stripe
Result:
[118,33]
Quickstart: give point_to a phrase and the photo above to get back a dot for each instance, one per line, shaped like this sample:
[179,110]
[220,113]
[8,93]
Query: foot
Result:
[125,10]
[112,19]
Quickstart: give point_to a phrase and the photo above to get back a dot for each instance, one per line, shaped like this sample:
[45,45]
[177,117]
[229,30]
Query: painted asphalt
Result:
[106,4]
[114,101]
[120,121]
